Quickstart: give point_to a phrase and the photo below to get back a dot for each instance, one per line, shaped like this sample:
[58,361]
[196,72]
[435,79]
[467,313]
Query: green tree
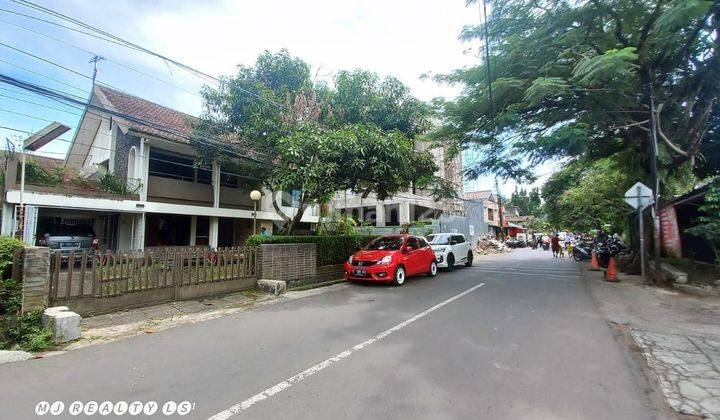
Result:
[573,79]
[359,134]
[708,226]
[587,195]
[529,204]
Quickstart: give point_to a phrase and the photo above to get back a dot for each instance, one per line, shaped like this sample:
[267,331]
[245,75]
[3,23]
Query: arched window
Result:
[132,178]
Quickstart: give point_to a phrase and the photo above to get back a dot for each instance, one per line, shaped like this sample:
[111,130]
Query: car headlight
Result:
[441,250]
[386,259]
[350,259]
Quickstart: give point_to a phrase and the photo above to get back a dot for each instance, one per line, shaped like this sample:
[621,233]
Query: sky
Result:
[403,38]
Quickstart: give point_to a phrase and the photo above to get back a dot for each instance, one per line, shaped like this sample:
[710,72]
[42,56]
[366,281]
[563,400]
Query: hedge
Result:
[10,289]
[331,249]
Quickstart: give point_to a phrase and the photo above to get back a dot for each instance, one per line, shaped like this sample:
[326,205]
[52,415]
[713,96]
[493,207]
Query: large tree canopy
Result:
[572,79]
[358,134]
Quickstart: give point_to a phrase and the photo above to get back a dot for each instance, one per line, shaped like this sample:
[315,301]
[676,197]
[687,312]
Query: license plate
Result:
[71,244]
[359,272]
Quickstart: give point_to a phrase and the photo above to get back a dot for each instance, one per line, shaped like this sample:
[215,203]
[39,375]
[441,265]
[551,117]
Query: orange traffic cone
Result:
[611,273]
[594,264]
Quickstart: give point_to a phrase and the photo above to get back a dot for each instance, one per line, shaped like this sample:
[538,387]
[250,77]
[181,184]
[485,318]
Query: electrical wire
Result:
[106,36]
[138,155]
[46,61]
[38,104]
[169,130]
[104,57]
[254,147]
[45,76]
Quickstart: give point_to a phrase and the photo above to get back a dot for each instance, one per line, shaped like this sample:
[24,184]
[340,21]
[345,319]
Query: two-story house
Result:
[408,206]
[172,201]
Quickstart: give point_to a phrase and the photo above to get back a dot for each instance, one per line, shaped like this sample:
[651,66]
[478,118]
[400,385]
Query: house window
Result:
[490,214]
[229,180]
[131,174]
[183,168]
[291,199]
[202,231]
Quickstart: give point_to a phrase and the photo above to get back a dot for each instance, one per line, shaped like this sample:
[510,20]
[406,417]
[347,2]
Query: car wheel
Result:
[433,269]
[451,262]
[468,263]
[399,278]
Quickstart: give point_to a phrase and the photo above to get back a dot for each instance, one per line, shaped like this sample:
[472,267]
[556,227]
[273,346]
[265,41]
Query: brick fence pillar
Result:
[36,278]
[287,262]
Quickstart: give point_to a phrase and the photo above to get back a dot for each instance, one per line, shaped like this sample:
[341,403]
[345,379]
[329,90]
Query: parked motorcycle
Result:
[582,251]
[610,248]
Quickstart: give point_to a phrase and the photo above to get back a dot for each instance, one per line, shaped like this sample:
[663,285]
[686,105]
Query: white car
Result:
[451,249]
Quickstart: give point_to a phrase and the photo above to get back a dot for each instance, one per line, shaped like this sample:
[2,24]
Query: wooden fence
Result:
[95,283]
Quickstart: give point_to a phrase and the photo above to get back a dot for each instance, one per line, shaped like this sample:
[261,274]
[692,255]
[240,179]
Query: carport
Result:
[104,224]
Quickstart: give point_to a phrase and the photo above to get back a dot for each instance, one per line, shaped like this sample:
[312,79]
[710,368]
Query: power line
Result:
[42,105]
[46,61]
[128,44]
[45,76]
[64,98]
[47,106]
[96,54]
[138,155]
[91,78]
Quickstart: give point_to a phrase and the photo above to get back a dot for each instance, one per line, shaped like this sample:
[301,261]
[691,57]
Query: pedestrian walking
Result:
[555,245]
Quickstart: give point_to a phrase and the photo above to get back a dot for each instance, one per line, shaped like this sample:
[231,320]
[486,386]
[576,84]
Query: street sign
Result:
[639,196]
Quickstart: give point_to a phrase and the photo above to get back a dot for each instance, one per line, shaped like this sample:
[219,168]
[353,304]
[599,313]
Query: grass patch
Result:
[25,332]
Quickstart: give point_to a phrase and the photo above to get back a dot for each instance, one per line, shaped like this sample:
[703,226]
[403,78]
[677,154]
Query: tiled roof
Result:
[163,121]
[478,195]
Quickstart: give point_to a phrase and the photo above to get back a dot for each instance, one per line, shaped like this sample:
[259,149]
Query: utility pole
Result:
[94,62]
[656,183]
[500,211]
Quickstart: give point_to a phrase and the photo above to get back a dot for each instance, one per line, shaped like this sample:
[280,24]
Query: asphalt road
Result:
[516,336]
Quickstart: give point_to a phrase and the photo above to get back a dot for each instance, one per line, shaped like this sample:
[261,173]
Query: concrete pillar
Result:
[8,210]
[138,238]
[193,230]
[380,215]
[144,161]
[216,184]
[404,213]
[213,235]
[36,278]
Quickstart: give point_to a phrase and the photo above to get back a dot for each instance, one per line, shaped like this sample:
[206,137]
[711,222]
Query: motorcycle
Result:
[582,251]
[610,248]
[546,246]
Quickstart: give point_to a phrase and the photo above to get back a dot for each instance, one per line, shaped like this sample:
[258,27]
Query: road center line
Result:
[244,405]
[540,274]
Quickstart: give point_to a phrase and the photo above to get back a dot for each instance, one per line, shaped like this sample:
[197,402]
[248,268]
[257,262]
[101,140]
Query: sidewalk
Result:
[677,334]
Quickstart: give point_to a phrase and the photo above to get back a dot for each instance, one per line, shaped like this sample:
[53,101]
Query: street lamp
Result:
[255,196]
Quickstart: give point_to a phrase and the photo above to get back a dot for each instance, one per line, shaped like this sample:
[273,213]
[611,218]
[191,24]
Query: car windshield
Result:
[386,243]
[438,239]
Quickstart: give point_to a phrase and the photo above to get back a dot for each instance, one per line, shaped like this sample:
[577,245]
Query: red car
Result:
[392,259]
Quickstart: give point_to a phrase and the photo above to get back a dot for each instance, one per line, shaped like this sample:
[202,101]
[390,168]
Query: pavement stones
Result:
[687,369]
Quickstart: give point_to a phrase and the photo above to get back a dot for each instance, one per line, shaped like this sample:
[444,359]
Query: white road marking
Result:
[540,274]
[244,405]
